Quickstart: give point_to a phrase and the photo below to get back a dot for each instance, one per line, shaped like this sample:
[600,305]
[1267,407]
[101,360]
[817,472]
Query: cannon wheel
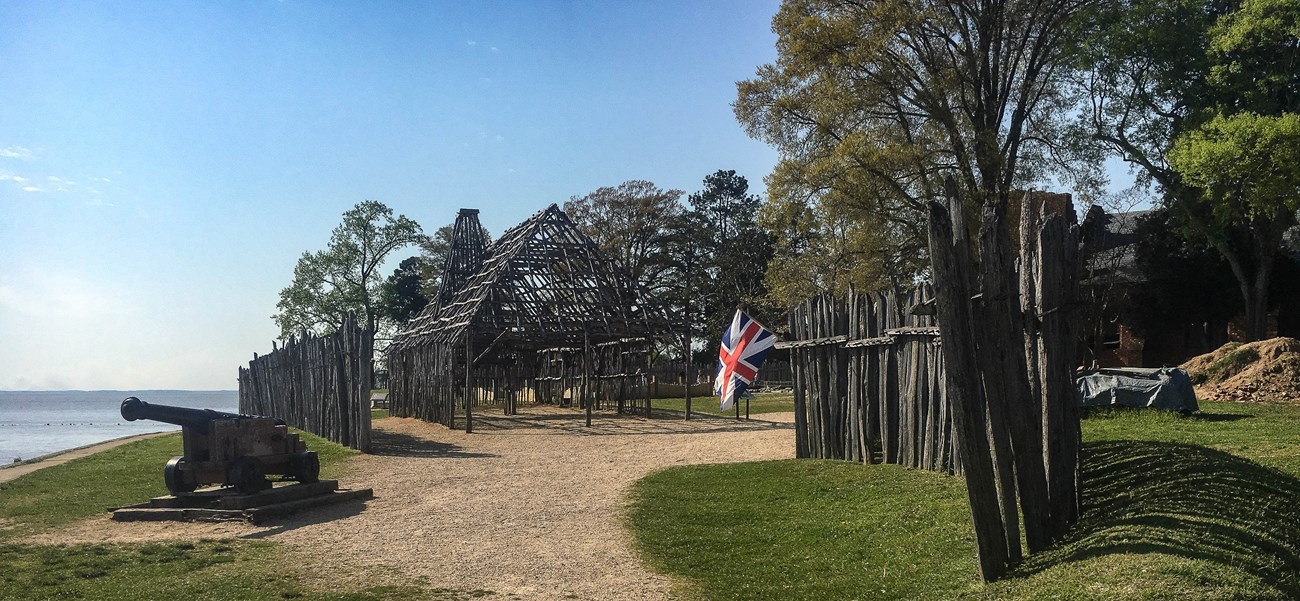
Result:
[305,467]
[246,474]
[174,475]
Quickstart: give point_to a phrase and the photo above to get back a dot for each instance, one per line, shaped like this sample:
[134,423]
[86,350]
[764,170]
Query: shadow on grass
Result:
[1219,417]
[1187,501]
[394,444]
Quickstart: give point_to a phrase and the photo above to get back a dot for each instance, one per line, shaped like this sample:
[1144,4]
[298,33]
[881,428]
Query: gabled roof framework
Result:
[543,284]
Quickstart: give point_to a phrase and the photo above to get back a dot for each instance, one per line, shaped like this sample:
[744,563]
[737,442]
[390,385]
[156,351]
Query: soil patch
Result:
[1264,371]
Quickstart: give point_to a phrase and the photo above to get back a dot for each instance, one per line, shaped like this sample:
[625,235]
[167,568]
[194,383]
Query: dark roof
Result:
[543,284]
[1110,247]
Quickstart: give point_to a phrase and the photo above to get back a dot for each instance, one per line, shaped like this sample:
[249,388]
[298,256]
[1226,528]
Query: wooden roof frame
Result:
[543,284]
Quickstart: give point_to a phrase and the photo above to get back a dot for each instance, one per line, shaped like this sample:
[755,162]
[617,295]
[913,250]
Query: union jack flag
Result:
[744,346]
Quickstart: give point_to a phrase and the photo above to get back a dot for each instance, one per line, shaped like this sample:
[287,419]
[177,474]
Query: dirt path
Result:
[9,472]
[530,505]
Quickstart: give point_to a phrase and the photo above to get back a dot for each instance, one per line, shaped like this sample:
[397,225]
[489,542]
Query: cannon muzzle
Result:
[133,409]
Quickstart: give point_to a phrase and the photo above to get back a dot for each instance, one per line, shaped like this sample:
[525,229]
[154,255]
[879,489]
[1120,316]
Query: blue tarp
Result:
[1164,388]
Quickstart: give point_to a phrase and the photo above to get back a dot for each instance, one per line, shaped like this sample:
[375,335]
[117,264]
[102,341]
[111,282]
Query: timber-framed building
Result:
[541,315]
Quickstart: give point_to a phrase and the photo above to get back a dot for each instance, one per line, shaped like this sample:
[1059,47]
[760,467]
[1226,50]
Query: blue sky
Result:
[163,165]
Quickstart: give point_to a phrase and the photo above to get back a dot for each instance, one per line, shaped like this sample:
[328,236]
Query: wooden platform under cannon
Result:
[225,504]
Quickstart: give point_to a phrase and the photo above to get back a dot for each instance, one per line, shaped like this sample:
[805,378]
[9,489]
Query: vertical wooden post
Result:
[469,383]
[587,398]
[951,264]
[688,372]
[649,363]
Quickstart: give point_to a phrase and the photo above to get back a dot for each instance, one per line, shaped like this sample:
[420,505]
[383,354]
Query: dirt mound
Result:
[1264,371]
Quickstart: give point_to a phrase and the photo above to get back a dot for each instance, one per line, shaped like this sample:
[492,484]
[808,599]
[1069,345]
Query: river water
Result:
[42,422]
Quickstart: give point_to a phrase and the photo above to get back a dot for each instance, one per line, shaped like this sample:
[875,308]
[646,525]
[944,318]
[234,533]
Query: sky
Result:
[164,165]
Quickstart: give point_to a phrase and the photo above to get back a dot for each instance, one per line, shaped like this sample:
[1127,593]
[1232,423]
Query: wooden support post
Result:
[688,373]
[469,384]
[648,364]
[587,397]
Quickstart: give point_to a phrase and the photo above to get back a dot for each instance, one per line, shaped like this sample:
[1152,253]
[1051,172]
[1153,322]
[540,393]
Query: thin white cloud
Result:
[17,179]
[102,179]
[471,43]
[495,49]
[17,152]
[31,189]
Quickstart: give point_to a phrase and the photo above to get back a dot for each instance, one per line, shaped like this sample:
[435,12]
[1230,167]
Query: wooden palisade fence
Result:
[867,374]
[970,376]
[320,384]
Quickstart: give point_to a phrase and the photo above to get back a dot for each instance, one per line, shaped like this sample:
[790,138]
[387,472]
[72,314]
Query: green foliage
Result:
[1196,95]
[401,296]
[345,276]
[124,475]
[1175,508]
[630,222]
[1245,166]
[872,104]
[731,251]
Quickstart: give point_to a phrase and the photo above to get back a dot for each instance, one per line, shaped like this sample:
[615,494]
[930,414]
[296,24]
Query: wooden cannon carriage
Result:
[228,449]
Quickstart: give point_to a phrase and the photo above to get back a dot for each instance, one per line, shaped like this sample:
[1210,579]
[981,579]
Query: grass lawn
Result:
[1206,507]
[763,402]
[132,473]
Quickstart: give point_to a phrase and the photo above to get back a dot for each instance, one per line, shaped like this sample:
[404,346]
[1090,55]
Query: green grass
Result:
[1229,365]
[131,473]
[763,402]
[805,530]
[206,569]
[1206,507]
[378,414]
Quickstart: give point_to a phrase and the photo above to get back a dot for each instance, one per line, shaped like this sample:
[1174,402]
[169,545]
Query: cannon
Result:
[228,449]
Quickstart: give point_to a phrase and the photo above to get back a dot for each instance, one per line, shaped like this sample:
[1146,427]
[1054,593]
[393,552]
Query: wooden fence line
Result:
[868,379]
[320,384]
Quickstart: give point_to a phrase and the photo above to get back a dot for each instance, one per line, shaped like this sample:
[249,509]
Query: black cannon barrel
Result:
[134,408]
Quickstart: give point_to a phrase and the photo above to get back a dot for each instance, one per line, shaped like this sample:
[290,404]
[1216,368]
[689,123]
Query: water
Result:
[42,422]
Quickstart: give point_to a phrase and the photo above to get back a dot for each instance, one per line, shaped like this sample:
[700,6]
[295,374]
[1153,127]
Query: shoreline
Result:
[12,471]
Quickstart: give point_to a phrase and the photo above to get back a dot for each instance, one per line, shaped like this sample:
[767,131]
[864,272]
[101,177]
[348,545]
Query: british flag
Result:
[744,346]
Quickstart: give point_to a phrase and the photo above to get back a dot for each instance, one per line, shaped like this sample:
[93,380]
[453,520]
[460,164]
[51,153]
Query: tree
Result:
[630,222]
[872,104]
[733,251]
[402,295]
[1245,167]
[345,276]
[1177,88]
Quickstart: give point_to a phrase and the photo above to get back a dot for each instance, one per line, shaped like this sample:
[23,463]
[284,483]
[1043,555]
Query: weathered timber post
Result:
[469,382]
[687,348]
[951,263]
[649,363]
[587,398]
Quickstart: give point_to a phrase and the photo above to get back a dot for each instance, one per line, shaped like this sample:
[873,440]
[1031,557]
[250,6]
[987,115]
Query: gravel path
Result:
[530,505]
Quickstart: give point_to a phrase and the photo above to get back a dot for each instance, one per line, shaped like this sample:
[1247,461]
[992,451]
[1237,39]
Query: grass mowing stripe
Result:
[1175,508]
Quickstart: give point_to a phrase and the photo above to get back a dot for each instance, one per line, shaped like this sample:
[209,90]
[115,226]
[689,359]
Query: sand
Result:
[531,505]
